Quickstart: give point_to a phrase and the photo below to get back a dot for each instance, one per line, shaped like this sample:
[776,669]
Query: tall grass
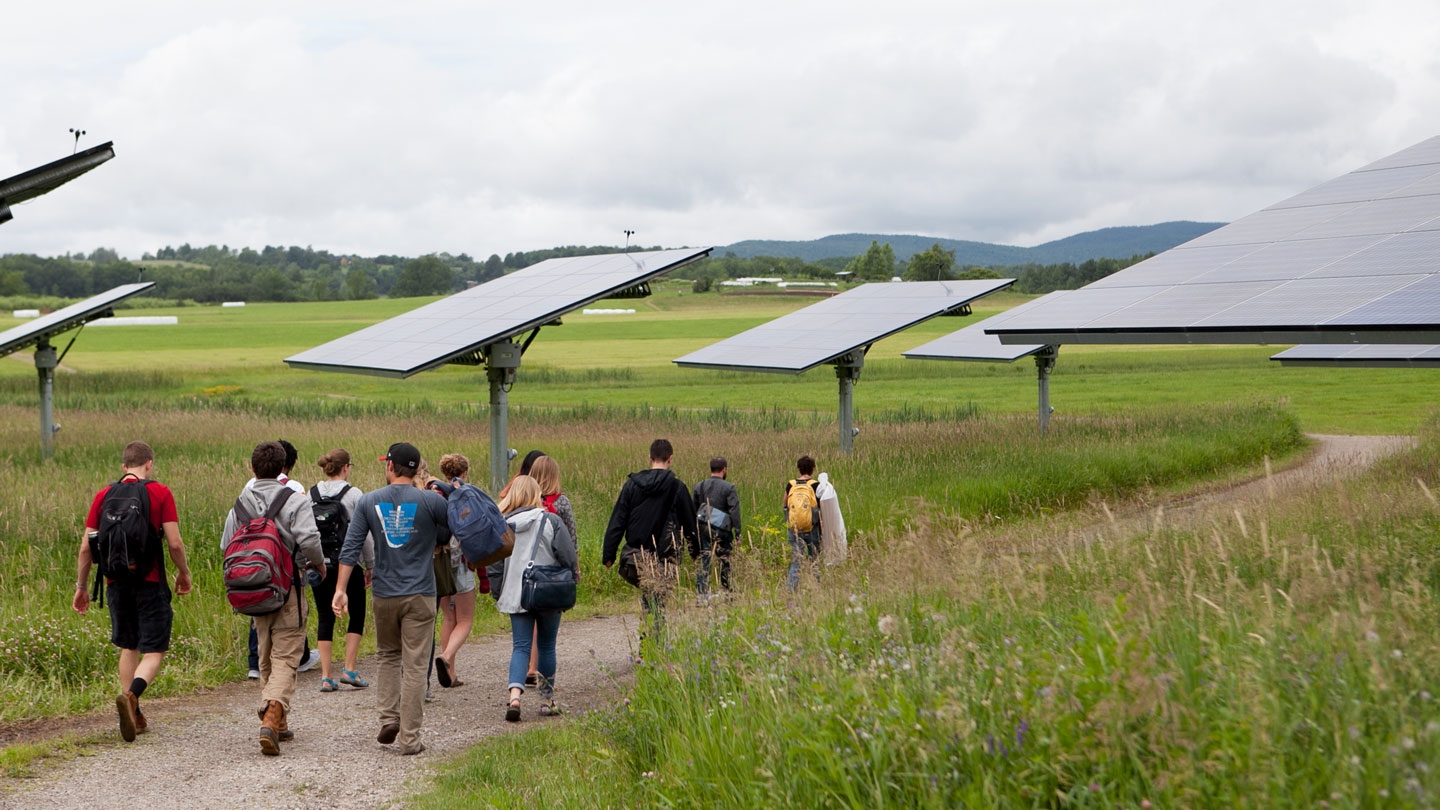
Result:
[1272,653]
[974,471]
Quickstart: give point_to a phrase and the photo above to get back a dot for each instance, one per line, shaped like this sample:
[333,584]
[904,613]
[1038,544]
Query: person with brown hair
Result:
[651,514]
[334,501]
[457,612]
[140,613]
[542,539]
[281,634]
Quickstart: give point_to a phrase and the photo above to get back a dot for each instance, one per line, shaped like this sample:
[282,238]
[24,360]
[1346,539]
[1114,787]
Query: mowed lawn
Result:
[243,349]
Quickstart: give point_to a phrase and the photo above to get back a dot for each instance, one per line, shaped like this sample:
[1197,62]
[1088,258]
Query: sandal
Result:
[353,678]
[532,678]
[328,685]
[442,673]
[549,709]
[512,713]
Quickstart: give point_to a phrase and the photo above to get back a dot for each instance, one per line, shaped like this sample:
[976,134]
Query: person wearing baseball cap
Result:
[406,525]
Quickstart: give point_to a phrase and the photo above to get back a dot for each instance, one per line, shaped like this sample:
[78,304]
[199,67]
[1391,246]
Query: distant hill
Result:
[1106,243]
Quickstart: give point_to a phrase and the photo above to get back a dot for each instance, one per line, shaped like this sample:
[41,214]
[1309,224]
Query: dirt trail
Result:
[202,752]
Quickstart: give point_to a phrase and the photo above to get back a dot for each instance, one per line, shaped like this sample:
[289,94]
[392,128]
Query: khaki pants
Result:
[404,632]
[281,637]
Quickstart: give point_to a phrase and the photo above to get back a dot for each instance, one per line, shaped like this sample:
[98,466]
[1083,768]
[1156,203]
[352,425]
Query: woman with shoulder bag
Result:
[336,486]
[544,554]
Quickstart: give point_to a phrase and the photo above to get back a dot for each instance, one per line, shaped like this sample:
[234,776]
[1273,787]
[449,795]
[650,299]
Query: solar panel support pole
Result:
[502,363]
[1044,364]
[45,363]
[847,370]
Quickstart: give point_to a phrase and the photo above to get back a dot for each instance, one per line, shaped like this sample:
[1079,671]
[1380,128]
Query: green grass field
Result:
[236,352]
[976,650]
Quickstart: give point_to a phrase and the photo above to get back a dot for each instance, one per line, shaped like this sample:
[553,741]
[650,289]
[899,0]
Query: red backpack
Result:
[258,567]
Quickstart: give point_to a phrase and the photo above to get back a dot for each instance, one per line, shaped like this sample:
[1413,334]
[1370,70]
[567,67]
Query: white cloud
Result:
[485,128]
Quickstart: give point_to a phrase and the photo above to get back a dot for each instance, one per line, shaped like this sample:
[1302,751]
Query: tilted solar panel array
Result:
[1368,355]
[825,331]
[973,344]
[1353,260]
[63,320]
[462,324]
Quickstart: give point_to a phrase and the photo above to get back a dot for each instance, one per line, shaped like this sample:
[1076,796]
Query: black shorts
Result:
[140,615]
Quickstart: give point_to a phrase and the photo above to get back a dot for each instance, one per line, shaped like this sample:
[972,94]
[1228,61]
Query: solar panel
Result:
[458,328]
[1393,355]
[972,344]
[63,320]
[828,330]
[1353,260]
[31,184]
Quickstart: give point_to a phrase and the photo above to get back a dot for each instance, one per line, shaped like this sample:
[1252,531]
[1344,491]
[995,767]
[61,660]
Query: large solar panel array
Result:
[31,184]
[1353,260]
[825,331]
[63,320]
[1368,355]
[973,344]
[458,327]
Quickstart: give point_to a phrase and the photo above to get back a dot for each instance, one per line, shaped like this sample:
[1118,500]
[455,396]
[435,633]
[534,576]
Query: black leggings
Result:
[325,594]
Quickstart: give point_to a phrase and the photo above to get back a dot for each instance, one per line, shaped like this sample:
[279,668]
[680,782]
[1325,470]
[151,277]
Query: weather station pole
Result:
[847,370]
[1044,364]
[502,363]
[45,363]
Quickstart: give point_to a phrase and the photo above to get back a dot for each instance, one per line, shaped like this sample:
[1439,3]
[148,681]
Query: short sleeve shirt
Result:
[162,511]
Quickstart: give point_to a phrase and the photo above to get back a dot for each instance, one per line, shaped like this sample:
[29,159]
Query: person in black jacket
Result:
[717,508]
[651,514]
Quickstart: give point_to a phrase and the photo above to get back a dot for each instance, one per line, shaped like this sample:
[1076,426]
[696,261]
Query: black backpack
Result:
[125,543]
[332,521]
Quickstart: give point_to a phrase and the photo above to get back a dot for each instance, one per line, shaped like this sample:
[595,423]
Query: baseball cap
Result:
[404,456]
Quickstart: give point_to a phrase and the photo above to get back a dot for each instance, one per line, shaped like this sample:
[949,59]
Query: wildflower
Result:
[1407,743]
[1094,787]
[1371,635]
[1396,654]
[1145,804]
[886,625]
[1432,726]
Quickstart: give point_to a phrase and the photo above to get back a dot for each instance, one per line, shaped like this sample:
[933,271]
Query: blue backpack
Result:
[477,524]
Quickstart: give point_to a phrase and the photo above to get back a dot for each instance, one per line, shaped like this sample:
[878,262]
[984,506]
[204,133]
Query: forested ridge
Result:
[213,274]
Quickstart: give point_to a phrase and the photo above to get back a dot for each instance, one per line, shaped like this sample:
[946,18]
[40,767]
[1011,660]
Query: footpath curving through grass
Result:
[1285,654]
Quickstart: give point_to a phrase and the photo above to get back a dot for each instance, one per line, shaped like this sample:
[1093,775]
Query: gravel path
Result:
[202,750]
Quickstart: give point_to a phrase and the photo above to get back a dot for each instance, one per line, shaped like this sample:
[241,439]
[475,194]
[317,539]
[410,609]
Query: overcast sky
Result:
[431,125]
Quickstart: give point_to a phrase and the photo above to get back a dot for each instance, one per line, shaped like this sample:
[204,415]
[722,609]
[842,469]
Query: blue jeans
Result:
[523,627]
[803,546]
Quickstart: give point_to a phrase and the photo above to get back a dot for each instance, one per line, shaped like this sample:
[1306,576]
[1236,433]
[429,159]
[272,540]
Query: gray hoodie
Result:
[296,523]
[540,533]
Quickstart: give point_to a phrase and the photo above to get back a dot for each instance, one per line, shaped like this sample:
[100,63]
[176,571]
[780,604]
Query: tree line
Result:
[213,274]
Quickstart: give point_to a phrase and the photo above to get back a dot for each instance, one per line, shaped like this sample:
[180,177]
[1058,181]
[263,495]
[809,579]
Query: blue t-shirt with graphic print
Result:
[406,524]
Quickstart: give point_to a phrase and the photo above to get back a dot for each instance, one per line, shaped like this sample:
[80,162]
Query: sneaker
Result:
[125,708]
[254,675]
[310,660]
[388,733]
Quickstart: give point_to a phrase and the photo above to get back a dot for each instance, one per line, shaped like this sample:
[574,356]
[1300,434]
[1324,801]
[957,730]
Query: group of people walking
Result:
[399,536]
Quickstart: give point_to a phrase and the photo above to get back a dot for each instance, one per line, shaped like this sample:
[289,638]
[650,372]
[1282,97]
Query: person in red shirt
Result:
[140,611]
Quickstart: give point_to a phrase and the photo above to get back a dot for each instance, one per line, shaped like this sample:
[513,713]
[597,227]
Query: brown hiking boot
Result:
[286,735]
[140,725]
[125,707]
[273,719]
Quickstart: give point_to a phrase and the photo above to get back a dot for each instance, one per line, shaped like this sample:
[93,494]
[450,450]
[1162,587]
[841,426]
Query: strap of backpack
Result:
[279,501]
[315,495]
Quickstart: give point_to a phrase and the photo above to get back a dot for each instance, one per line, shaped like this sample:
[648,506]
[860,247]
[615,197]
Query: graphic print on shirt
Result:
[397,521]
